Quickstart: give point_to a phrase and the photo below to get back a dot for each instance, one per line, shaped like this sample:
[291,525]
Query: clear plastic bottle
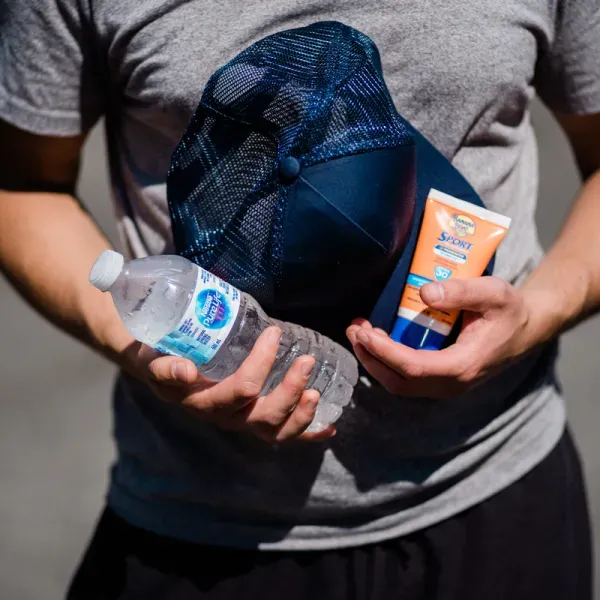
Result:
[172,305]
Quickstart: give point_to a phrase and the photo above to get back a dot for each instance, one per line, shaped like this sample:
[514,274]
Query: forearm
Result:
[47,246]
[565,287]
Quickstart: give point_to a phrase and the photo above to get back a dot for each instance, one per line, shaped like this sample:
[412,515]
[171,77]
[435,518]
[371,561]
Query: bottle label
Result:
[206,322]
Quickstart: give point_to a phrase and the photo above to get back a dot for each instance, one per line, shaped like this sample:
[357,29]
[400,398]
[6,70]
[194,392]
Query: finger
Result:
[477,295]
[297,426]
[351,333]
[318,436]
[379,331]
[172,370]
[418,364]
[357,324]
[300,418]
[166,369]
[396,384]
[362,323]
[392,381]
[270,412]
[245,385]
[329,432]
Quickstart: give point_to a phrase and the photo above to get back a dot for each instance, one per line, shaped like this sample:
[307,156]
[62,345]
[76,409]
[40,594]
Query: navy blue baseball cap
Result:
[298,181]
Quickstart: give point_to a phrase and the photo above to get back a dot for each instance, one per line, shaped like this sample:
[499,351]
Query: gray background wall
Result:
[55,445]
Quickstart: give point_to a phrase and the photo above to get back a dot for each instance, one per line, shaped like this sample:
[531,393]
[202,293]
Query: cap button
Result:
[289,167]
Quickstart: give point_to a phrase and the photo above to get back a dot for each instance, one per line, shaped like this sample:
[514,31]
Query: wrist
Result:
[128,360]
[554,296]
[109,335]
[120,348]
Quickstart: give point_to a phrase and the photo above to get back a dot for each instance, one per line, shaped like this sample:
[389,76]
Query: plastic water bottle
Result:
[178,308]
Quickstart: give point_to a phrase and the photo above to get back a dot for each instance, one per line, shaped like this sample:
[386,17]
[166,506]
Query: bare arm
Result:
[566,286]
[48,242]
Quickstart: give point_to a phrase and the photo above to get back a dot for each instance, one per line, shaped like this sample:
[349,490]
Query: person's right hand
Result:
[235,403]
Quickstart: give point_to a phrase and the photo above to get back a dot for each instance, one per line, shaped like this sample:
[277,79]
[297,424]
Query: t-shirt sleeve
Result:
[47,83]
[568,73]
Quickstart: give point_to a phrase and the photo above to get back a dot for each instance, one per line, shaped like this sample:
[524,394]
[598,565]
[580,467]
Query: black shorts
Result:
[528,542]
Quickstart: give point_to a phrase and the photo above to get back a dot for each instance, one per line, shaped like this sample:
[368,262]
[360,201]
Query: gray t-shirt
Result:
[464,73]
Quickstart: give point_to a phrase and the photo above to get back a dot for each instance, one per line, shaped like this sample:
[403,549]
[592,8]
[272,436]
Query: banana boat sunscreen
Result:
[457,239]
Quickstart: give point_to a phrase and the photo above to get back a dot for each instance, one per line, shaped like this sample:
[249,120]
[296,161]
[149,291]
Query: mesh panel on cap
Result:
[314,93]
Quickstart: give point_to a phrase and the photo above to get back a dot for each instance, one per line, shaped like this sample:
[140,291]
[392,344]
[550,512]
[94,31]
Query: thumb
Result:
[172,370]
[477,295]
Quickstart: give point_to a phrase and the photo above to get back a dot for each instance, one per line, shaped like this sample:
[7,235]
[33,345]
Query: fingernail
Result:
[274,335]
[351,335]
[363,337]
[312,403]
[307,367]
[179,371]
[435,292]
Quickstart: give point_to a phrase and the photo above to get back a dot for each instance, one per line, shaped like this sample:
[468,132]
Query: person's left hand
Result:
[494,332]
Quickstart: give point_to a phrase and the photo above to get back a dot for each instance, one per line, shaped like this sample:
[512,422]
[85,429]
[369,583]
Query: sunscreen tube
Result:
[457,239]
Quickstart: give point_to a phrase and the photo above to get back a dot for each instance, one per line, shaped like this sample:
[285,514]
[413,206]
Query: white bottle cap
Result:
[106,270]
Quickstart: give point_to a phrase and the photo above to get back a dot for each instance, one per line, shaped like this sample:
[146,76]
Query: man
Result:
[454,478]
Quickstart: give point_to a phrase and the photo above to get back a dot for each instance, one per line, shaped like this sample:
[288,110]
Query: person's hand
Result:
[494,332]
[235,403]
